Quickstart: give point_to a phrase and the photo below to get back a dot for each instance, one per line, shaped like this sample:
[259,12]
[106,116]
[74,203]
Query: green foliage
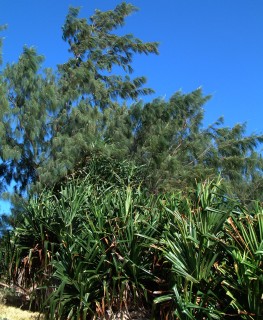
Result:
[51,125]
[110,216]
[92,242]
[30,99]
[48,122]
[96,52]
[87,87]
[244,284]
[6,253]
[169,140]
[236,158]
[192,243]
[93,248]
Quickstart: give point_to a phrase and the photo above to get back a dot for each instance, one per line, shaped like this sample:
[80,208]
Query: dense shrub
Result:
[92,249]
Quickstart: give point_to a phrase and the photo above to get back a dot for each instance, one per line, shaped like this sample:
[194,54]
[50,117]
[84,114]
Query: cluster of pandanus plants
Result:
[89,249]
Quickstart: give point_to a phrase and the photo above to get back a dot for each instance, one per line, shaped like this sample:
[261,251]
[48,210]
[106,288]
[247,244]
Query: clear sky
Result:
[216,44]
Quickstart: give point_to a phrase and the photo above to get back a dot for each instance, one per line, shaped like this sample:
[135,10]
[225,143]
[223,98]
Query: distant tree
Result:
[170,141]
[238,159]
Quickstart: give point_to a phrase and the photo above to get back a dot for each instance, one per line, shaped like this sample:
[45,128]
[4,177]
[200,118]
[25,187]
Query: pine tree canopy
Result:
[29,102]
[57,122]
[96,52]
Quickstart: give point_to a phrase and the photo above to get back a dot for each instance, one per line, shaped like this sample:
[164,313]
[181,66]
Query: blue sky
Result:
[216,44]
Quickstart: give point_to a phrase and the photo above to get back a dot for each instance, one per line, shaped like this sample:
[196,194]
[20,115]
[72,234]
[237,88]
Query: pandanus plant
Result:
[107,264]
[192,246]
[93,249]
[89,248]
[243,278]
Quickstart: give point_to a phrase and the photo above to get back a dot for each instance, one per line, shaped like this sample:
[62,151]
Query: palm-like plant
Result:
[94,247]
[192,246]
[90,246]
[106,263]
[244,276]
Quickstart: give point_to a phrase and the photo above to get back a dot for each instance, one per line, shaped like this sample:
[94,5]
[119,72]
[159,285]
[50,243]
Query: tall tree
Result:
[29,104]
[176,149]
[239,161]
[170,139]
[93,85]
[51,125]
[97,51]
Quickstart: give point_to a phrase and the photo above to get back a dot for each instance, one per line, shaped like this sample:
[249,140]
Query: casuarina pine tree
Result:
[51,122]
[91,93]
[28,104]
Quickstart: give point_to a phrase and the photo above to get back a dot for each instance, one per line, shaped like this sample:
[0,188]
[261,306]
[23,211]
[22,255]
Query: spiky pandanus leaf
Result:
[192,245]
[244,277]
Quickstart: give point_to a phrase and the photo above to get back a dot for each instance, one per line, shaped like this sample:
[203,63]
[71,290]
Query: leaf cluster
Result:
[91,250]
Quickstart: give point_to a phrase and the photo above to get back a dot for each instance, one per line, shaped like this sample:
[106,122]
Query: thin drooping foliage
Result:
[52,122]
[244,283]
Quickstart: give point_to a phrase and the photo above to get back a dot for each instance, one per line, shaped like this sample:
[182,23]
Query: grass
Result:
[12,313]
[15,313]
